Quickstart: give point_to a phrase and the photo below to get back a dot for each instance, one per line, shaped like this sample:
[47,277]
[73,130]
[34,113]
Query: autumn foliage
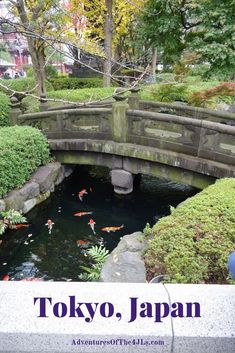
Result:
[224,89]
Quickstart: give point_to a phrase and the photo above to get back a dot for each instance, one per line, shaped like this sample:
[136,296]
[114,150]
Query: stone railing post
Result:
[133,99]
[43,103]
[119,121]
[16,111]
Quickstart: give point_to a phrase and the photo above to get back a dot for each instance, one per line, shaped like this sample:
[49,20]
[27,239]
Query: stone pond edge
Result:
[39,188]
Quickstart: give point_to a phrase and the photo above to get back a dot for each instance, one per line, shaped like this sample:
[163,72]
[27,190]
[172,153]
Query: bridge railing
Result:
[71,123]
[189,136]
[203,139]
[188,111]
[179,109]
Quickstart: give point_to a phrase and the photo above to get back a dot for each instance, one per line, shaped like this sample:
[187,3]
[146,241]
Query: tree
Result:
[36,17]
[214,38]
[109,26]
[205,27]
[108,35]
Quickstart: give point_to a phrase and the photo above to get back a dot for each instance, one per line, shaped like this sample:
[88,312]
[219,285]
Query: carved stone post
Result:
[120,178]
[43,103]
[134,100]
[15,112]
[119,121]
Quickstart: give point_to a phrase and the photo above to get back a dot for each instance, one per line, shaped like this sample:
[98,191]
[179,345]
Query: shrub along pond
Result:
[192,245]
[61,255]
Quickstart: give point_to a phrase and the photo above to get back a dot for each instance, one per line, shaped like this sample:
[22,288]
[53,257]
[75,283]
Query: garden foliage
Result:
[26,84]
[82,95]
[192,245]
[75,83]
[4,109]
[99,255]
[223,91]
[22,150]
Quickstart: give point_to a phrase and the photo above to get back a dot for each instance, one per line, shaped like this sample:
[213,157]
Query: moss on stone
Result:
[192,245]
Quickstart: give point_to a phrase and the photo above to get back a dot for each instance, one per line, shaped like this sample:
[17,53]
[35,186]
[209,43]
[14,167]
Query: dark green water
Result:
[57,256]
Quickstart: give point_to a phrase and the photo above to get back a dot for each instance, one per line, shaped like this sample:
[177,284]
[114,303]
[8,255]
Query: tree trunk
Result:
[108,31]
[36,50]
[154,65]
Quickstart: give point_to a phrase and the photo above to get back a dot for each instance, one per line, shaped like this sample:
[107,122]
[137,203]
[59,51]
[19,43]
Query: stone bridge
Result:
[181,143]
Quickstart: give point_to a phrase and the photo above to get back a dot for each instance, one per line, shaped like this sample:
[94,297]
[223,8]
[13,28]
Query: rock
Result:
[125,263]
[222,106]
[2,205]
[14,200]
[43,197]
[46,176]
[29,190]
[68,171]
[29,204]
[124,267]
[232,108]
[60,176]
[130,242]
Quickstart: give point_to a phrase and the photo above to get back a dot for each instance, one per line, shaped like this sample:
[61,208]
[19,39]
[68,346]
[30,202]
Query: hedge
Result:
[22,150]
[192,245]
[75,83]
[82,95]
[4,109]
[23,85]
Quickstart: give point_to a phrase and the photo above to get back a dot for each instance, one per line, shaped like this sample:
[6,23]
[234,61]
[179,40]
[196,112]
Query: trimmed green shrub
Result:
[22,150]
[169,92]
[75,83]
[4,109]
[30,105]
[82,95]
[192,245]
[23,85]
[51,72]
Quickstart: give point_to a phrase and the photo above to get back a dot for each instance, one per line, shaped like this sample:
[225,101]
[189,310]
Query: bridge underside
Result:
[136,159]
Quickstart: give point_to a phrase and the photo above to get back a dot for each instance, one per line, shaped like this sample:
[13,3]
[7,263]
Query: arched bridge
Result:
[184,144]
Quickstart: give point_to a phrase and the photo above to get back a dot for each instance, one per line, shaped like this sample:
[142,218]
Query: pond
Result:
[33,252]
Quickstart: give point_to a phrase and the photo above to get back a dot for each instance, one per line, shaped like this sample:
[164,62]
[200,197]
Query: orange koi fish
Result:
[18,226]
[92,225]
[82,243]
[111,229]
[6,278]
[31,279]
[81,194]
[49,224]
[80,214]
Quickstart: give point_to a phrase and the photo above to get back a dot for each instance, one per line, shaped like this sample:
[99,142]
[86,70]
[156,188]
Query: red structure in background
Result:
[17,48]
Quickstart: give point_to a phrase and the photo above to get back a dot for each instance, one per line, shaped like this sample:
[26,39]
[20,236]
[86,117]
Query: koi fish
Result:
[80,214]
[31,279]
[6,278]
[92,225]
[81,194]
[18,226]
[111,229]
[82,243]
[49,224]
